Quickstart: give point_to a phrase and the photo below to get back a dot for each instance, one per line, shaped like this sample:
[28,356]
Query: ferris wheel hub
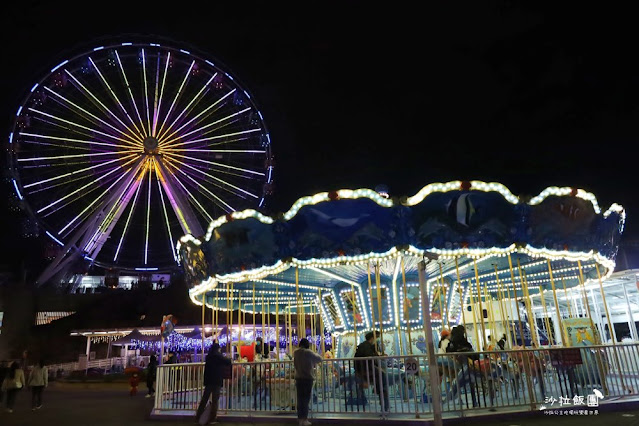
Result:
[150,145]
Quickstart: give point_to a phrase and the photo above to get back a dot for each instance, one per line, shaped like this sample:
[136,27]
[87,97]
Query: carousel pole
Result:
[472,304]
[461,295]
[321,320]
[524,287]
[297,301]
[568,300]
[290,330]
[531,304]
[378,282]
[502,307]
[442,291]
[631,322]
[254,309]
[610,326]
[277,322]
[203,319]
[352,297]
[263,323]
[512,280]
[491,318]
[511,315]
[312,309]
[551,337]
[481,306]
[554,295]
[428,334]
[227,319]
[406,316]
[370,299]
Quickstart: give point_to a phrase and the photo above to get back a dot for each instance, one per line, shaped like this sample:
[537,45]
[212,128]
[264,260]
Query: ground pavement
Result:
[110,404]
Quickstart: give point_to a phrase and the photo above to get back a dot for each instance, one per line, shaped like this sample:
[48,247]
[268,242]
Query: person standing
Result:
[38,380]
[372,370]
[304,361]
[214,375]
[12,384]
[151,374]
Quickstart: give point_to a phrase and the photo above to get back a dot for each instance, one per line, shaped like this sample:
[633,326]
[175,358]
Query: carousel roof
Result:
[469,231]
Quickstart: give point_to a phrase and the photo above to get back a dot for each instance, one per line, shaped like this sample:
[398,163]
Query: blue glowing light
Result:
[154,44]
[230,78]
[247,95]
[60,65]
[19,111]
[98,48]
[146,269]
[11,137]
[34,87]
[127,44]
[15,185]
[54,238]
[185,51]
[209,62]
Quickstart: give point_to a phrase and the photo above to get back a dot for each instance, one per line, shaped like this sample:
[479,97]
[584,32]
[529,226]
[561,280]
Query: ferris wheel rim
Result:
[14,168]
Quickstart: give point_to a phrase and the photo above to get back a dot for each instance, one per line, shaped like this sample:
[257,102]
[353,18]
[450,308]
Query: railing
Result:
[400,385]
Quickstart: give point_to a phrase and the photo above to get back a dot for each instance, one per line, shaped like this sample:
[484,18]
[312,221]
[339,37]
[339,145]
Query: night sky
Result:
[356,96]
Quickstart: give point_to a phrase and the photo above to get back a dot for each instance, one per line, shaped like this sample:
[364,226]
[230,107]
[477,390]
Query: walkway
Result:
[110,404]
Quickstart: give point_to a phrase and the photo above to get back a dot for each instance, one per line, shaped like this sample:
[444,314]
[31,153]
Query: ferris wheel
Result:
[120,150]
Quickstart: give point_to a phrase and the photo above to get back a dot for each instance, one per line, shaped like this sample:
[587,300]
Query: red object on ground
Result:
[248,352]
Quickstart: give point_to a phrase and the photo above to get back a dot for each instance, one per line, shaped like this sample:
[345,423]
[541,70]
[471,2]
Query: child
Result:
[134,381]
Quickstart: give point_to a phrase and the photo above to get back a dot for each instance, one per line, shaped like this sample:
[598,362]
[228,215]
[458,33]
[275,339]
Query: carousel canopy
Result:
[481,241]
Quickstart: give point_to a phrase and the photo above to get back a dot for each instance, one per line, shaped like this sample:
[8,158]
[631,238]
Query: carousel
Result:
[339,264]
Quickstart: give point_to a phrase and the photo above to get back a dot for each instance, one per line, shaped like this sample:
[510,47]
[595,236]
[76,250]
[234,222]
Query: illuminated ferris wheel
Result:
[121,150]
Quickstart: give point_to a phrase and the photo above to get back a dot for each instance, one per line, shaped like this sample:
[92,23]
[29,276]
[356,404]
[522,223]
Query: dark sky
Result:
[356,96]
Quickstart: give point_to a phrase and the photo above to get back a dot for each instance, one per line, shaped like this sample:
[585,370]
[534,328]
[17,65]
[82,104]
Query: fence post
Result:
[432,362]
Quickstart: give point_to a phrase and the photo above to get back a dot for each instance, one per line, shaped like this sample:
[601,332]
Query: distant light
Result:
[247,95]
[54,238]
[11,137]
[15,185]
[34,87]
[185,51]
[60,65]
[98,48]
[19,111]
[260,114]
[146,269]
[228,76]
[209,62]
[127,44]
[155,44]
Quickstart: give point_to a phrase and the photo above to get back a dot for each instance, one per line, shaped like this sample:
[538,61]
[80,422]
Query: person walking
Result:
[151,373]
[214,375]
[12,384]
[304,361]
[38,380]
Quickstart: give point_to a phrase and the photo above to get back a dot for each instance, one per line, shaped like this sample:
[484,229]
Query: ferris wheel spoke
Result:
[218,151]
[193,199]
[63,157]
[212,138]
[166,220]
[146,92]
[99,197]
[128,219]
[216,199]
[188,107]
[167,140]
[216,122]
[115,96]
[222,181]
[96,181]
[90,94]
[135,106]
[93,116]
[148,215]
[158,104]
[81,141]
[177,95]
[75,172]
[131,144]
[214,163]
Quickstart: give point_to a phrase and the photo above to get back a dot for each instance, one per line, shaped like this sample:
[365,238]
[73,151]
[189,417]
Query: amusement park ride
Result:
[121,149]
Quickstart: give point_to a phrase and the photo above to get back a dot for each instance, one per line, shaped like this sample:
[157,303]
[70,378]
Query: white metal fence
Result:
[401,385]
